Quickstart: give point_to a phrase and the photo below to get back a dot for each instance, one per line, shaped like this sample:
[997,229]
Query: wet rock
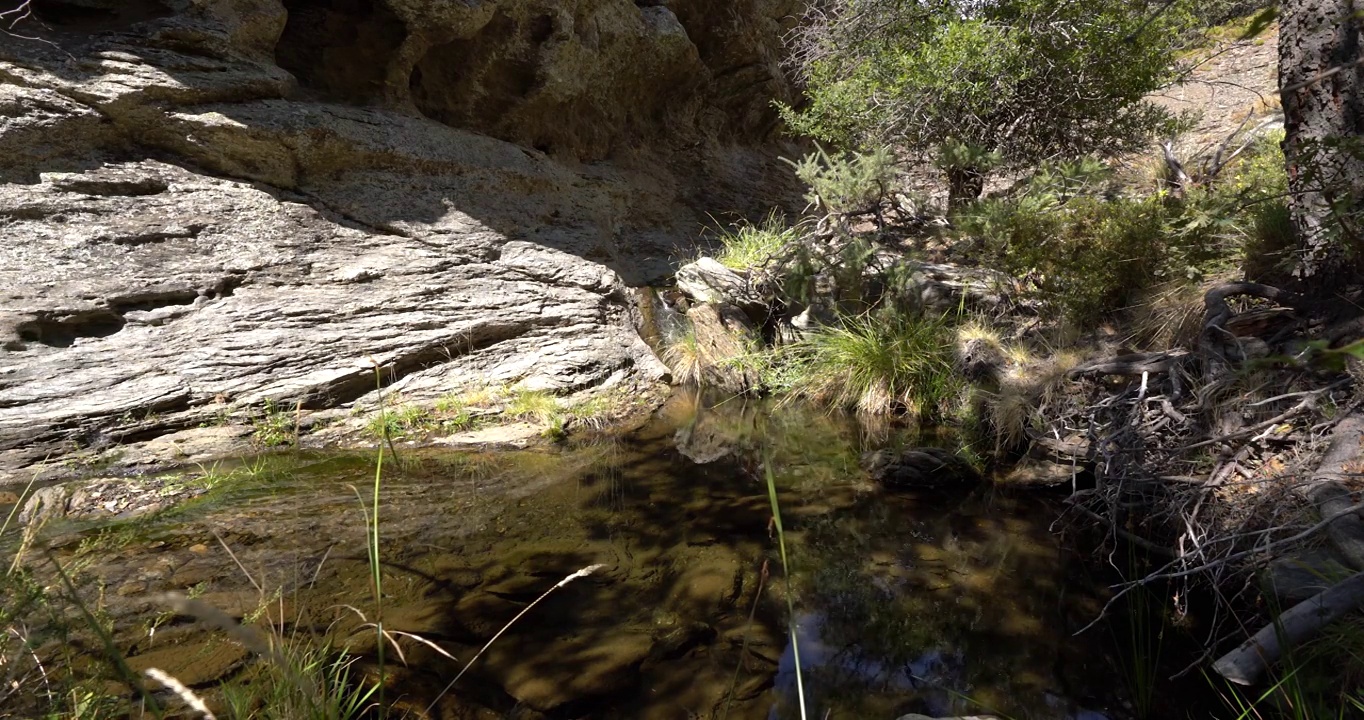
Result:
[187,447]
[121,498]
[919,468]
[195,663]
[583,670]
[724,338]
[49,503]
[708,439]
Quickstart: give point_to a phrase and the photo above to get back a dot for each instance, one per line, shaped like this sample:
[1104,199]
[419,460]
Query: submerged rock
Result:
[118,498]
[919,468]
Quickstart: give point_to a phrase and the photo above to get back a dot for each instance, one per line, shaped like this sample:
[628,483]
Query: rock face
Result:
[210,205]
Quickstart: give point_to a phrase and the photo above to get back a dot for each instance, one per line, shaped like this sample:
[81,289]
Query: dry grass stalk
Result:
[178,688]
[570,578]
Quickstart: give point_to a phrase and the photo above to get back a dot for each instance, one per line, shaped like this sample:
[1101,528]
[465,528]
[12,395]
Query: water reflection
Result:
[936,604]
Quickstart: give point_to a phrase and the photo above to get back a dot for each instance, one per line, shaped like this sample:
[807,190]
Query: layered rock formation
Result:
[211,204]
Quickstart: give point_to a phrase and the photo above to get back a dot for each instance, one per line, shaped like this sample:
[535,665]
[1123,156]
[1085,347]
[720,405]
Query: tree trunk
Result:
[1321,83]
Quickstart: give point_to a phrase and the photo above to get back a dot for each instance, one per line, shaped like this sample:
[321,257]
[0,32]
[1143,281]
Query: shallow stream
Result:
[957,603]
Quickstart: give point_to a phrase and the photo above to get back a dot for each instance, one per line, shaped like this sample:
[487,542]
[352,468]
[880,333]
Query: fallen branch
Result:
[1248,662]
[1134,364]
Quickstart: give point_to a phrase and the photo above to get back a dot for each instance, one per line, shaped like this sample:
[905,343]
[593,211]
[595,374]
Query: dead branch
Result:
[1248,662]
[1217,311]
[1179,178]
[1134,364]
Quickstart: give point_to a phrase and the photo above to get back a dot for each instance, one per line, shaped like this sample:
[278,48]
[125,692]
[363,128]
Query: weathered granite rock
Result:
[214,291]
[707,281]
[200,214]
[1297,577]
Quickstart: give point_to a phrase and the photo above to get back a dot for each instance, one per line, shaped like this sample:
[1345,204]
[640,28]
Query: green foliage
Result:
[1086,256]
[274,427]
[1027,79]
[754,246]
[877,365]
[456,413]
[1089,254]
[398,422]
[847,183]
[536,406]
[309,681]
[956,155]
[555,429]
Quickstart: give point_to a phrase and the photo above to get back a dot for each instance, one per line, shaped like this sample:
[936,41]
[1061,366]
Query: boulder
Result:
[942,287]
[207,206]
[919,468]
[707,281]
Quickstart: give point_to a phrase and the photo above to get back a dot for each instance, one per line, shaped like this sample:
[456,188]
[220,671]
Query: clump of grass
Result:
[593,412]
[686,359]
[878,365]
[1027,389]
[1168,315]
[555,430]
[399,422]
[275,426]
[753,246]
[451,403]
[457,413]
[534,405]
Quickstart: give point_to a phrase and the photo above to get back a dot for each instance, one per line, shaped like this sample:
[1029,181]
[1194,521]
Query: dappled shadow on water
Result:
[905,603]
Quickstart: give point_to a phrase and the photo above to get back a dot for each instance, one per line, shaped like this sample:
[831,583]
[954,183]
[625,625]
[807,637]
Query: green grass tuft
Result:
[275,426]
[878,365]
[399,422]
[754,246]
[534,405]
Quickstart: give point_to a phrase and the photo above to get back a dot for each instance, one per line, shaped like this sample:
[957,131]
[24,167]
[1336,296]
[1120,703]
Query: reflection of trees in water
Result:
[932,612]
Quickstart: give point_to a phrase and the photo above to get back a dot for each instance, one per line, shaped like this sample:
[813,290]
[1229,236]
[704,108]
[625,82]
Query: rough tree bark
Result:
[1321,81]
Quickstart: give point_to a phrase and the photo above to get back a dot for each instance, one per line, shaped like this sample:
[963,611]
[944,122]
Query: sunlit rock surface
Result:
[211,205]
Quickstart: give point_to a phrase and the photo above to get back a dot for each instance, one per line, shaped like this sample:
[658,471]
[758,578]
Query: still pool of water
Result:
[957,603]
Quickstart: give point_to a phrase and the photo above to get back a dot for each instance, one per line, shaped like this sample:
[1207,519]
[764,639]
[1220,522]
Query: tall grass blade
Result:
[786,572]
